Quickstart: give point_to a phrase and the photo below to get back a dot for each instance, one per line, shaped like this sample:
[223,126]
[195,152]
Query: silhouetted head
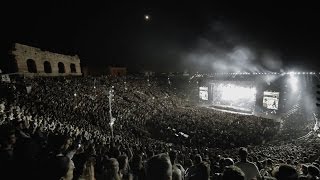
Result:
[233,172]
[243,153]
[159,168]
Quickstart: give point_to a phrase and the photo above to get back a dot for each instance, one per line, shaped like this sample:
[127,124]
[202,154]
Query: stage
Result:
[230,109]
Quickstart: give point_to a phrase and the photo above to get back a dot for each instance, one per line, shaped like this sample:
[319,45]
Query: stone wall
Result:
[23,53]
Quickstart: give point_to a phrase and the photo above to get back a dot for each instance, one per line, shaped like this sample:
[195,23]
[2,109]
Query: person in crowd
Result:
[286,172]
[7,151]
[228,162]
[124,167]
[177,169]
[202,172]
[250,169]
[111,170]
[313,172]
[303,171]
[137,168]
[88,171]
[60,168]
[159,167]
[233,172]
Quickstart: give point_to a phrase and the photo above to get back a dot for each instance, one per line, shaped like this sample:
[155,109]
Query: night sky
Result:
[265,36]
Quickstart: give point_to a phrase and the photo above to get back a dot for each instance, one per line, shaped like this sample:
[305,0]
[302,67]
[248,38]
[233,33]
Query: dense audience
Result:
[60,129]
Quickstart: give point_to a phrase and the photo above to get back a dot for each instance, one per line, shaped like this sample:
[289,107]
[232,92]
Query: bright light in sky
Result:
[147,17]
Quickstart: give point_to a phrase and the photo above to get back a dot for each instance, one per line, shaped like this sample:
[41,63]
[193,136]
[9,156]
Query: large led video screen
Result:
[235,94]
[270,100]
[203,93]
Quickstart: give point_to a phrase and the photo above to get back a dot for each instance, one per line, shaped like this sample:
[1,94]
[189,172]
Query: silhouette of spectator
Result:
[60,168]
[233,172]
[159,168]
[250,169]
[286,172]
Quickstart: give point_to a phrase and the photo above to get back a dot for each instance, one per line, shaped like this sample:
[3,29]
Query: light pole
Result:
[148,80]
[112,119]
[125,86]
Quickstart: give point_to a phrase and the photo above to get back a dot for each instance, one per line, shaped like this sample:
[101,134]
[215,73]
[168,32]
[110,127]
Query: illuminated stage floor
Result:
[229,109]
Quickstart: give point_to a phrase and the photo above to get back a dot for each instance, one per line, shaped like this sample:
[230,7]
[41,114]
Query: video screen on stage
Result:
[203,93]
[234,94]
[270,100]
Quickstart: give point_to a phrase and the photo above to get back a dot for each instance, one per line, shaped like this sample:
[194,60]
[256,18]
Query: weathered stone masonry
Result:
[34,61]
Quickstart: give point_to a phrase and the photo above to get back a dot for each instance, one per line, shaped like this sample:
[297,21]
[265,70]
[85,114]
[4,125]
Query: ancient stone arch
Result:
[61,68]
[47,67]
[32,67]
[34,61]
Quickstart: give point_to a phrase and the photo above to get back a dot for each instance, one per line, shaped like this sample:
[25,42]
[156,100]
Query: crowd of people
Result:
[60,129]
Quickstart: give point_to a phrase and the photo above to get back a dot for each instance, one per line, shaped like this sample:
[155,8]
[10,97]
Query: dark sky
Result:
[178,36]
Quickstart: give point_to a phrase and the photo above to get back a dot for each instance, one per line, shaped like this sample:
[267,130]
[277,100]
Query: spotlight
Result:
[293,82]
